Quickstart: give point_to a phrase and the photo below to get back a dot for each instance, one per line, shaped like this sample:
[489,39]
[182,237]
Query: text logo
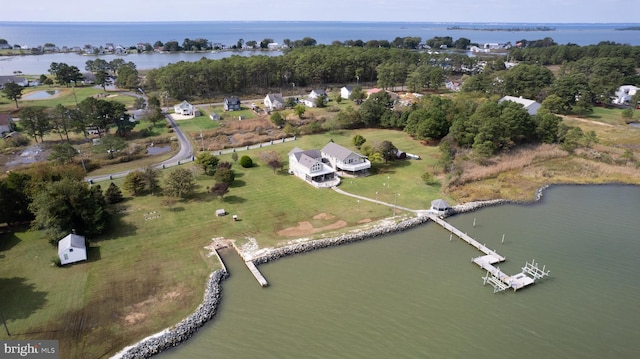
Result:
[42,349]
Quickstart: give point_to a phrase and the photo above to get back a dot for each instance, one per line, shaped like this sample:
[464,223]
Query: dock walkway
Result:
[495,277]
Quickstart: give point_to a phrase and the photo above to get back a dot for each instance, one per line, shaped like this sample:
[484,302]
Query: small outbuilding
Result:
[440,206]
[220,212]
[72,248]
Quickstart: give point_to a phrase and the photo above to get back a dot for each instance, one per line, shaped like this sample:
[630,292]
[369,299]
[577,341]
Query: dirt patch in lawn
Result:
[306,228]
[323,216]
[139,311]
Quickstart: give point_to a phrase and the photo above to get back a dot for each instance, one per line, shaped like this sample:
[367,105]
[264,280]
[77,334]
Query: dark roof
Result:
[232,101]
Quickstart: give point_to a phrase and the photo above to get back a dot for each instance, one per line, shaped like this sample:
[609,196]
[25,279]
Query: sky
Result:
[501,11]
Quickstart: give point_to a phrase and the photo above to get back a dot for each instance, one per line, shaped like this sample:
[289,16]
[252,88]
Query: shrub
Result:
[246,161]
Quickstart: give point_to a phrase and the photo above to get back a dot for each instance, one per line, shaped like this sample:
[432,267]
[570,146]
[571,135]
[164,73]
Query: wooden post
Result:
[5,325]
[474,222]
[502,238]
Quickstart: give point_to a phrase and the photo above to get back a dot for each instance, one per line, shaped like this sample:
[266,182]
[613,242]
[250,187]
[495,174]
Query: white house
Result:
[72,248]
[624,94]
[309,166]
[344,160]
[530,105]
[274,101]
[184,108]
[345,92]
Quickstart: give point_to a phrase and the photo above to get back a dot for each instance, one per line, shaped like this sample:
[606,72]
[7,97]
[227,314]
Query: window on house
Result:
[66,257]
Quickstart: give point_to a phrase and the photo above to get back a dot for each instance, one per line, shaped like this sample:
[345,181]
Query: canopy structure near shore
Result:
[440,205]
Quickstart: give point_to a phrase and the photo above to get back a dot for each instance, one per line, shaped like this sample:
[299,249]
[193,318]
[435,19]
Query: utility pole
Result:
[5,325]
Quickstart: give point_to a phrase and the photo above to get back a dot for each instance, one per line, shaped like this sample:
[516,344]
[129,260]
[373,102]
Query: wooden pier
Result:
[499,280]
[256,273]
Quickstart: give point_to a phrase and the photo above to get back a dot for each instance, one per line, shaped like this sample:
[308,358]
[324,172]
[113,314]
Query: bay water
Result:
[416,294]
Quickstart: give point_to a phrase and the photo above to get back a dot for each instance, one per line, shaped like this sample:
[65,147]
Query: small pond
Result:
[41,95]
[156,150]
[635,124]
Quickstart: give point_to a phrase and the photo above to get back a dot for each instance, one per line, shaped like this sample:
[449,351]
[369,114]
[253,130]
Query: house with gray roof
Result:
[530,105]
[344,160]
[232,104]
[274,101]
[185,108]
[22,81]
[310,167]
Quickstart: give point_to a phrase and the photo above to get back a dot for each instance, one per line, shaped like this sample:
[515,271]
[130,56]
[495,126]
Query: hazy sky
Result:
[533,11]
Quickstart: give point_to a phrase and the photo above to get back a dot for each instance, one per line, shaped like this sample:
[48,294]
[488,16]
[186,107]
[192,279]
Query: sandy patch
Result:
[366,220]
[306,228]
[139,311]
[323,216]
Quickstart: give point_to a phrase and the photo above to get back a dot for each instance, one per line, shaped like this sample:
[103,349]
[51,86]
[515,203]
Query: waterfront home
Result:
[274,101]
[530,105]
[344,160]
[310,167]
[345,92]
[71,249]
[6,123]
[15,79]
[184,108]
[231,104]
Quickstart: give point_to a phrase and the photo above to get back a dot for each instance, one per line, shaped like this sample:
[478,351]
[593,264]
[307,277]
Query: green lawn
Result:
[148,272]
[612,116]
[197,124]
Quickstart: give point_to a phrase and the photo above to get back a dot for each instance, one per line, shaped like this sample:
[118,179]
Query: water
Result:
[417,295]
[228,33]
[40,95]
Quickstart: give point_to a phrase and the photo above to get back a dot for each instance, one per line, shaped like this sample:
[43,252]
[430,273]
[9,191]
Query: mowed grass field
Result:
[149,271]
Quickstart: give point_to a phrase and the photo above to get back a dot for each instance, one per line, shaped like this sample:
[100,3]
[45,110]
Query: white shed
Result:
[72,248]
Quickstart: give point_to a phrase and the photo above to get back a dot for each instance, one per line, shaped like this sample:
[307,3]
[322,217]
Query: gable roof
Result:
[232,101]
[275,97]
[184,105]
[71,241]
[523,101]
[340,153]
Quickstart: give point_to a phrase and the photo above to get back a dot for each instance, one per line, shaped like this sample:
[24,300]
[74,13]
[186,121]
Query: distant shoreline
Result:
[509,29]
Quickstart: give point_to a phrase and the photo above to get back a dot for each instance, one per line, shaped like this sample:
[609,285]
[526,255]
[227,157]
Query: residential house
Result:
[6,123]
[231,104]
[15,79]
[453,86]
[344,160]
[310,166]
[274,101]
[310,101]
[71,249]
[530,105]
[345,92]
[184,108]
[624,94]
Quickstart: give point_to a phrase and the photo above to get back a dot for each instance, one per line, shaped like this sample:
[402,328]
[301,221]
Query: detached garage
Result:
[71,249]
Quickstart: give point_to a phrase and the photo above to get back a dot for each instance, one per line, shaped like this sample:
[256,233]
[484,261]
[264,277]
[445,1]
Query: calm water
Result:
[417,295]
[228,33]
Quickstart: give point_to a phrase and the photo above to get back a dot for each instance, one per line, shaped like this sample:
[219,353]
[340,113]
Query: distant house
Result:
[310,167]
[453,86]
[71,249]
[15,79]
[344,160]
[310,101]
[317,93]
[274,101]
[214,116]
[231,104]
[345,92]
[184,108]
[530,105]
[624,94]
[6,123]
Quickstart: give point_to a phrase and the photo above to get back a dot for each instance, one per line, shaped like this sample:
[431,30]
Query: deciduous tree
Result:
[180,183]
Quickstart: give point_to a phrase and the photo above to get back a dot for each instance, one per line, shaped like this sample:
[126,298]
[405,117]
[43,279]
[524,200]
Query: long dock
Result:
[495,277]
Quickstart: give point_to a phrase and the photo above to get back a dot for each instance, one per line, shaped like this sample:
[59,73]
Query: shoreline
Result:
[206,311]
